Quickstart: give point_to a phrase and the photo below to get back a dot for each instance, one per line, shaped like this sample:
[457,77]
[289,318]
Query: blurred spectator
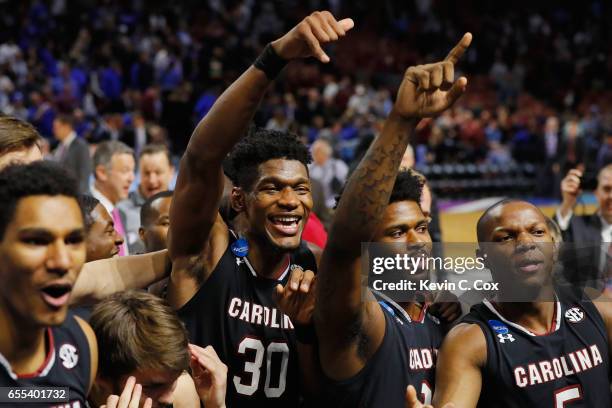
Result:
[156,172]
[136,136]
[101,238]
[328,171]
[72,152]
[155,221]
[19,142]
[113,175]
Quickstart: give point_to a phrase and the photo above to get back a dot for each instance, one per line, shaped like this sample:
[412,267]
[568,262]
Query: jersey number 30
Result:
[254,367]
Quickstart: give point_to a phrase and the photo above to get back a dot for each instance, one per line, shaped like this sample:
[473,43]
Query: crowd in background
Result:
[143,72]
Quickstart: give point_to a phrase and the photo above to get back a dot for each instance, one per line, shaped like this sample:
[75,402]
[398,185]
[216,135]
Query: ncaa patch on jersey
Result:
[574,315]
[498,327]
[69,356]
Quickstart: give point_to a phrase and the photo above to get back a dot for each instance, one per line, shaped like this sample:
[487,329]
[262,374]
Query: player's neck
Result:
[414,309]
[537,317]
[267,261]
[22,345]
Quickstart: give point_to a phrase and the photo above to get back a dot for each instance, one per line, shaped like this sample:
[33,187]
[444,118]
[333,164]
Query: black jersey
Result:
[569,367]
[234,311]
[67,364]
[406,356]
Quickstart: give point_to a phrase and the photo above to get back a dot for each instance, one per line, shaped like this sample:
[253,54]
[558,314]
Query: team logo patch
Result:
[503,333]
[240,247]
[574,315]
[69,355]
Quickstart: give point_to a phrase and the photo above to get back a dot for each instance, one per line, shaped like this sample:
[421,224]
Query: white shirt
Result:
[606,229]
[106,203]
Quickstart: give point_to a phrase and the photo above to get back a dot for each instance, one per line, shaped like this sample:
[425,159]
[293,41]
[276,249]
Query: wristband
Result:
[270,62]
[305,333]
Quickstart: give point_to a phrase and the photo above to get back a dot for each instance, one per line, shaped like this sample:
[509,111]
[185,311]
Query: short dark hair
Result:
[155,148]
[259,146]
[88,203]
[147,213]
[38,178]
[137,330]
[408,187]
[15,134]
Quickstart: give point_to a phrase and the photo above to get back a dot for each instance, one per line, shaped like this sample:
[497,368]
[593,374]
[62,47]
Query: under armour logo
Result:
[574,315]
[69,356]
[239,261]
[503,337]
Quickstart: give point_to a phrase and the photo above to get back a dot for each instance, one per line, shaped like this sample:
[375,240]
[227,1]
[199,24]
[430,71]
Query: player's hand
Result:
[428,90]
[570,188]
[130,397]
[413,402]
[446,306]
[297,298]
[306,38]
[209,375]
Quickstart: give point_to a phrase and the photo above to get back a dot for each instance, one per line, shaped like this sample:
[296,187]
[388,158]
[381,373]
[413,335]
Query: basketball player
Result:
[222,281]
[102,239]
[370,351]
[42,250]
[541,353]
[144,342]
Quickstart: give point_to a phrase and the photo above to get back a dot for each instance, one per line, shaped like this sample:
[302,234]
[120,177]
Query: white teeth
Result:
[285,219]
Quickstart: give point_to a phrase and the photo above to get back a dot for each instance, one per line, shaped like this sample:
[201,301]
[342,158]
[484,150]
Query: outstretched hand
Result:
[306,39]
[427,90]
[413,402]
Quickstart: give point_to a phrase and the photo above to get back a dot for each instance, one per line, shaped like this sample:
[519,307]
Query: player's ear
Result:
[237,199]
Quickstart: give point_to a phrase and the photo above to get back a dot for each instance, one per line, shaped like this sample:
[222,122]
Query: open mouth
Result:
[285,224]
[56,295]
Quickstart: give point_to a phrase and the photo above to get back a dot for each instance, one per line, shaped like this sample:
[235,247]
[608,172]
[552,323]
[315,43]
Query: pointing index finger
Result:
[456,53]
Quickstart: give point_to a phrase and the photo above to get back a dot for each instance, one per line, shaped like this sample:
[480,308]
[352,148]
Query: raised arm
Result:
[341,318]
[200,181]
[458,369]
[98,279]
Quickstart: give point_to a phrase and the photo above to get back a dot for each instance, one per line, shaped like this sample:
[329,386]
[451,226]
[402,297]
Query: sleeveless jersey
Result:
[67,364]
[406,356]
[568,367]
[234,311]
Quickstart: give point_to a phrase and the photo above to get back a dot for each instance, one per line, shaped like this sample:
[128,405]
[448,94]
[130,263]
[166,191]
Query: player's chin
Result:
[52,318]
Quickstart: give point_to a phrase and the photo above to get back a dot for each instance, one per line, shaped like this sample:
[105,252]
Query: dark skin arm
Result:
[458,369]
[341,317]
[196,227]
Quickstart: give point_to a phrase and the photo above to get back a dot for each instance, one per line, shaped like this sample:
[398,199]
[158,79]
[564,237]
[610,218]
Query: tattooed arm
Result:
[349,330]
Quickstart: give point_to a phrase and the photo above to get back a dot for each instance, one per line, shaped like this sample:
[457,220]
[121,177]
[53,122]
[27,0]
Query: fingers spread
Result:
[456,53]
[148,403]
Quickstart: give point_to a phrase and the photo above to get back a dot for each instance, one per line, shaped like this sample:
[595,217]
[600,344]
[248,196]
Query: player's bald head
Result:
[493,213]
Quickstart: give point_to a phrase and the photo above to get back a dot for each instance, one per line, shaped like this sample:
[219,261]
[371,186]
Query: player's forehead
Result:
[514,215]
[405,212]
[282,170]
[47,212]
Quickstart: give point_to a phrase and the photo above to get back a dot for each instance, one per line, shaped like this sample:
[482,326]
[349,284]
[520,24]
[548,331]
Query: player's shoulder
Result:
[466,340]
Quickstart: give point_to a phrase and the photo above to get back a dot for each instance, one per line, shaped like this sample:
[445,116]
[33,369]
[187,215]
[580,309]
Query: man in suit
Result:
[587,237]
[114,173]
[72,153]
